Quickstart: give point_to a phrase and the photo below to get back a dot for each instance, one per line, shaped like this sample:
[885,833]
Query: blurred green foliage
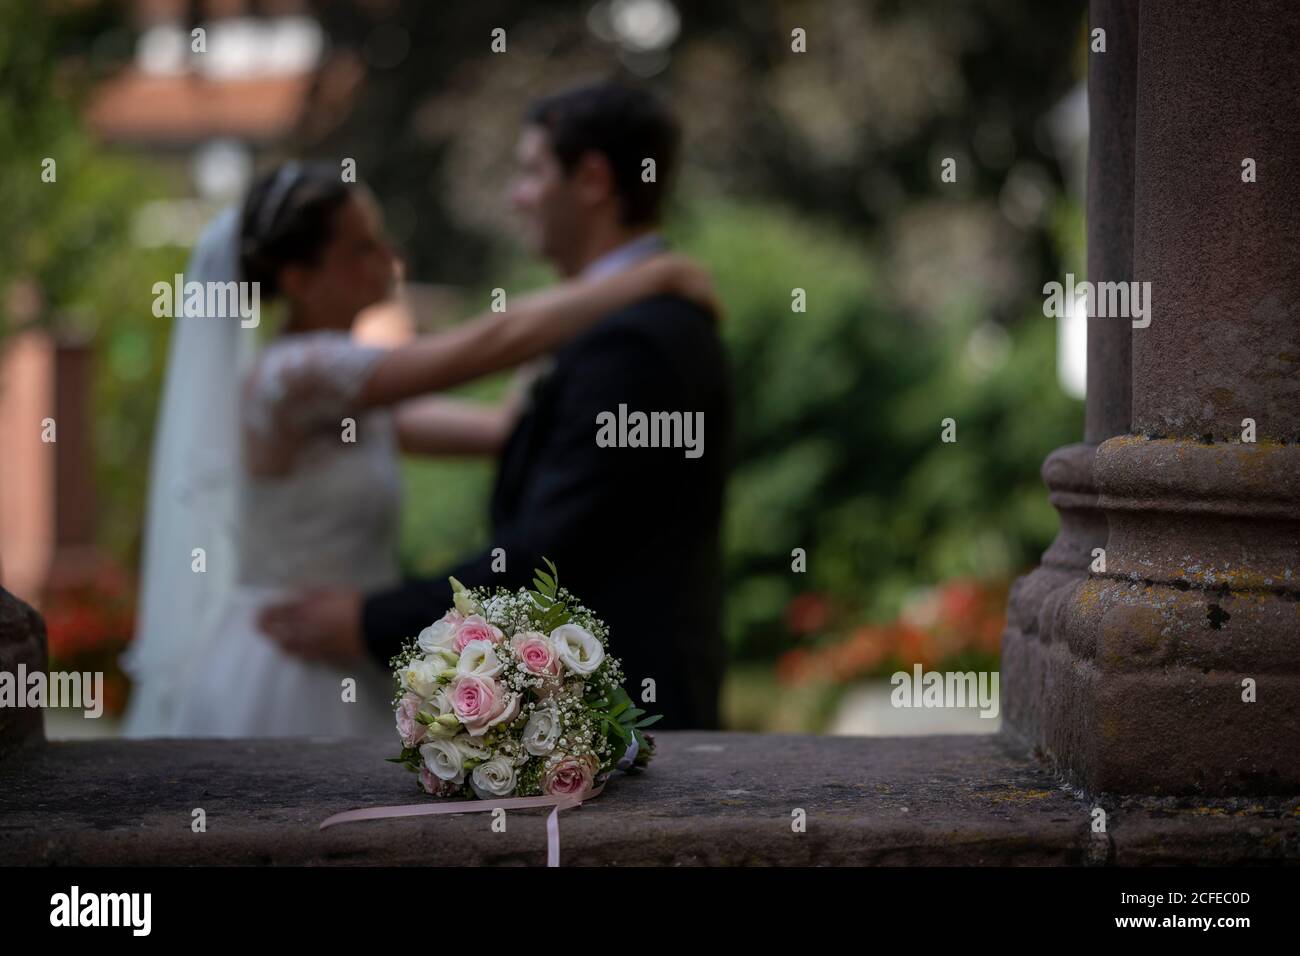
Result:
[444,518]
[71,239]
[839,421]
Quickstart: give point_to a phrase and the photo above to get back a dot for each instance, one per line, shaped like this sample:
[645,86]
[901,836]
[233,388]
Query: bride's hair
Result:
[288,219]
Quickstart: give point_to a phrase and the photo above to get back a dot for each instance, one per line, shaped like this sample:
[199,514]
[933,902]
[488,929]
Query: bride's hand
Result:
[683,276]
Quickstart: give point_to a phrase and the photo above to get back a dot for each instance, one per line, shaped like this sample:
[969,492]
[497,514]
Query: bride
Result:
[277,469]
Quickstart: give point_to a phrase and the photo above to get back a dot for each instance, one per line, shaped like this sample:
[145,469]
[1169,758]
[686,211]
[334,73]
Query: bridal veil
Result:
[190,546]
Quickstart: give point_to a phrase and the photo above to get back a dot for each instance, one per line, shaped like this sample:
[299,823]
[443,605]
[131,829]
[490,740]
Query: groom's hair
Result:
[626,124]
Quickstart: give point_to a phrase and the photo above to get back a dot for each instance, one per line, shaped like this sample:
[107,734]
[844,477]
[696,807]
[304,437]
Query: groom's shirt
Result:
[635,532]
[628,254]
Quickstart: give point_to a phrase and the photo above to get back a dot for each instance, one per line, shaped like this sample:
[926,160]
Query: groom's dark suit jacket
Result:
[634,532]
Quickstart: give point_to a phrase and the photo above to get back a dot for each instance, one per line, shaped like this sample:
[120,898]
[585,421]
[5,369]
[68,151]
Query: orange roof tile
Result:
[138,106]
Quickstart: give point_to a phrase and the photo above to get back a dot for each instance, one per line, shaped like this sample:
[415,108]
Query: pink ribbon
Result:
[557,804]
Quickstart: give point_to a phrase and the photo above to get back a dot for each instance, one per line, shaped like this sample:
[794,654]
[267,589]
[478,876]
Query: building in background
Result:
[213,88]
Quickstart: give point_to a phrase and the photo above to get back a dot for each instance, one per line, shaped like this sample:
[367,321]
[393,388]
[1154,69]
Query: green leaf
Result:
[649,720]
[546,585]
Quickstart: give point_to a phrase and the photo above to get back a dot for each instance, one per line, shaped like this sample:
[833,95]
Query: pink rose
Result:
[480,703]
[537,653]
[433,785]
[475,628]
[410,729]
[570,775]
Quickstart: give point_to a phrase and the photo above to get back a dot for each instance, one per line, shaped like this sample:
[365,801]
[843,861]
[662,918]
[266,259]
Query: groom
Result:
[633,530]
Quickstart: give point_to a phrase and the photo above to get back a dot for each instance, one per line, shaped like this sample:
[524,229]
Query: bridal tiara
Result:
[284,182]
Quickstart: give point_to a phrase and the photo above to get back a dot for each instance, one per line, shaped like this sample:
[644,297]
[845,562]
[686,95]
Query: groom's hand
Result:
[317,626]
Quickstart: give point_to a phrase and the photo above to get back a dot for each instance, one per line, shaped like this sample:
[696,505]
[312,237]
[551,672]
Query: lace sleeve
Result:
[307,383]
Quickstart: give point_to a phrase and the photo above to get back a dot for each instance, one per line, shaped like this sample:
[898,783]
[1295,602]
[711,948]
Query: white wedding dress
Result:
[223,540]
[331,520]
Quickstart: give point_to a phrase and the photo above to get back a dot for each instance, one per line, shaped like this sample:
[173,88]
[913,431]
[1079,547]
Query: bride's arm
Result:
[534,323]
[439,425]
[436,425]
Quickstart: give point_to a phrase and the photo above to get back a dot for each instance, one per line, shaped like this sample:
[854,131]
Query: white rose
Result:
[421,676]
[439,702]
[542,731]
[445,759]
[439,634]
[470,749]
[493,778]
[479,658]
[577,649]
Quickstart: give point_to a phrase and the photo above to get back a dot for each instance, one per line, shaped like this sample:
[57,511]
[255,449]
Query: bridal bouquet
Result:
[515,694]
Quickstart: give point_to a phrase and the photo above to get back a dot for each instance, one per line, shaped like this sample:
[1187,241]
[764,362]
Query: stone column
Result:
[22,645]
[1179,666]
[1067,472]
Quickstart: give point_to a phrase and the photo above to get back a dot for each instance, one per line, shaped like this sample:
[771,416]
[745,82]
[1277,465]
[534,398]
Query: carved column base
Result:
[1151,663]
[1031,606]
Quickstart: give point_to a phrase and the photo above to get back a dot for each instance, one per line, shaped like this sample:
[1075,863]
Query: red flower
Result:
[807,613]
[88,627]
[792,666]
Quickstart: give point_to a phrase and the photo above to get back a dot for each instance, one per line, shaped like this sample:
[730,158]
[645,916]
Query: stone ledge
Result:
[709,799]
